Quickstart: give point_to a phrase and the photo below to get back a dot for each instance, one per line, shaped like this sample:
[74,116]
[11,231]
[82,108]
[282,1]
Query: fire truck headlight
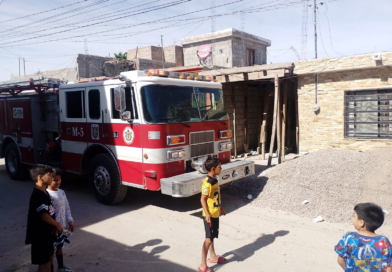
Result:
[176,154]
[225,146]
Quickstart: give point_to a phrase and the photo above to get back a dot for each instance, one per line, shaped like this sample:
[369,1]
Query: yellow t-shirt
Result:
[211,189]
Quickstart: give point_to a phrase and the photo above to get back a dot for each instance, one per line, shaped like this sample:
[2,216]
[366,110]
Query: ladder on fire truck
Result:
[39,84]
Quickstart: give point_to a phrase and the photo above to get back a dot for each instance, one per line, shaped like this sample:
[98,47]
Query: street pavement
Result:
[153,232]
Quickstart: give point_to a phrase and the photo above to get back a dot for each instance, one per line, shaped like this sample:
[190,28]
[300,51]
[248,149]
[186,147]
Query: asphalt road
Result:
[153,232]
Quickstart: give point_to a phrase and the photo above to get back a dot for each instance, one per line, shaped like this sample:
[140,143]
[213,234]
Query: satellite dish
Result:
[204,51]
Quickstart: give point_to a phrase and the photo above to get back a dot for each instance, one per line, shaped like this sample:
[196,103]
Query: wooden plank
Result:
[263,134]
[273,135]
[248,69]
[266,74]
[296,118]
[279,125]
[236,77]
[284,119]
[234,118]
[246,116]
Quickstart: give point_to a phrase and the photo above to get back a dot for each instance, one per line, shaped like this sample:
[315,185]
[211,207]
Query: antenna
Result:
[304,34]
[243,21]
[85,47]
[295,52]
[212,16]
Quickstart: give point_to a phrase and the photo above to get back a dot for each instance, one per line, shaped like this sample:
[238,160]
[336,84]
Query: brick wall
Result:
[147,52]
[174,54]
[247,101]
[326,130]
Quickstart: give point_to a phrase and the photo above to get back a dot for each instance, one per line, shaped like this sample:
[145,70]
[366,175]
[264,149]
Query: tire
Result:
[105,180]
[13,163]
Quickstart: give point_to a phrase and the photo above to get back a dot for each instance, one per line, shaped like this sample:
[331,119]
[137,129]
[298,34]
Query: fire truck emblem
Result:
[128,135]
[95,132]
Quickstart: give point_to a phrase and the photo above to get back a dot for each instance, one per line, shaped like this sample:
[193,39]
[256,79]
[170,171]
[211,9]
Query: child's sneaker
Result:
[65,269]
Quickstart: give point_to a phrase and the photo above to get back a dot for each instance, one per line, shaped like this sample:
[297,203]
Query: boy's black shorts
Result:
[42,250]
[213,230]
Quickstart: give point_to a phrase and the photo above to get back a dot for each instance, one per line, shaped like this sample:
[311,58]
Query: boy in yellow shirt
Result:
[211,203]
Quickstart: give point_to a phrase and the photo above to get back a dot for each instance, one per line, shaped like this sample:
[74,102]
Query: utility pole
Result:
[315,56]
[163,54]
[213,16]
[85,47]
[24,66]
[243,21]
[304,34]
[19,66]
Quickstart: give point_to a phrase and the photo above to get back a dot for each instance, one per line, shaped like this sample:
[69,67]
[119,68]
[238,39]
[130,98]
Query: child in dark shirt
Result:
[41,224]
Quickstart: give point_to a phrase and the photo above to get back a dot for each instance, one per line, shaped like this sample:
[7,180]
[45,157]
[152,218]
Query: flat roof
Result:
[230,32]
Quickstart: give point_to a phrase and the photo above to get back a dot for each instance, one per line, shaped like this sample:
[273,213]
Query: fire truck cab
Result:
[151,130]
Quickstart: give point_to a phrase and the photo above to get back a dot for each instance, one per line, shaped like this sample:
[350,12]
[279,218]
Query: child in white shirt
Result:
[63,216]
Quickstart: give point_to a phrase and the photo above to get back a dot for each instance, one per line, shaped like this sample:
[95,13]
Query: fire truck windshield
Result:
[175,104]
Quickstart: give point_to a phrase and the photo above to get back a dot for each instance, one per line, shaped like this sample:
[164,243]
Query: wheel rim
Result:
[12,162]
[102,180]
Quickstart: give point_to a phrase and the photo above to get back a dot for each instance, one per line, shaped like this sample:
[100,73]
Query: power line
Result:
[253,9]
[330,36]
[107,20]
[23,17]
[57,15]
[57,19]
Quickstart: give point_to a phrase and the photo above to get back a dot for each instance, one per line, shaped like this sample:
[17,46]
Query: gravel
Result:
[332,180]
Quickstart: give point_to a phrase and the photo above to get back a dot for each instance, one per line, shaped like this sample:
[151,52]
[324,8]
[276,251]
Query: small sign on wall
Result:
[17,113]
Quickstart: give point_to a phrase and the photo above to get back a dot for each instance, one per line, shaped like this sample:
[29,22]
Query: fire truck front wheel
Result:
[105,180]
[13,163]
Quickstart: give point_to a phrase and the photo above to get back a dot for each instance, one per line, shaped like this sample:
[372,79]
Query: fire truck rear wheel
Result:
[13,163]
[105,180]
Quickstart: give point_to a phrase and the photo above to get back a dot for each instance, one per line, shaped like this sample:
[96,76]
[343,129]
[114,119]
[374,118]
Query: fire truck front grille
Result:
[202,143]
[202,149]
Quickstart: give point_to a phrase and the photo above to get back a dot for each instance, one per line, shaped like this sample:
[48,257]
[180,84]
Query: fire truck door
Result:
[73,127]
[2,120]
[19,126]
[96,111]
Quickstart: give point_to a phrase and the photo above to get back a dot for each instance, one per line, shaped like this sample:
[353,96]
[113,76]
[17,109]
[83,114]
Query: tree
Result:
[120,55]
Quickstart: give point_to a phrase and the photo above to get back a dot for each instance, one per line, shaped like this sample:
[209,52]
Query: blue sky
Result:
[355,27]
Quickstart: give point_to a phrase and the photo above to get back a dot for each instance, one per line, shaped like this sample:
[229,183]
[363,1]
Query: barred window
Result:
[368,114]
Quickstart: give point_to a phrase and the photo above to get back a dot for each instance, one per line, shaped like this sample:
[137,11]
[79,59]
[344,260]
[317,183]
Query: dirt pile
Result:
[333,181]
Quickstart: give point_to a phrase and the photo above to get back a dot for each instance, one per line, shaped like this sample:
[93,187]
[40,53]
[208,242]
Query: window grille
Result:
[368,114]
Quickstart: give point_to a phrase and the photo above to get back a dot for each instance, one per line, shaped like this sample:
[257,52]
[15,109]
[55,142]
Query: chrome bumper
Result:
[189,184]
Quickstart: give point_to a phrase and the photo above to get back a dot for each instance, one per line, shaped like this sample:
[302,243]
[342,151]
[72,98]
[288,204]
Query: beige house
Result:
[355,100]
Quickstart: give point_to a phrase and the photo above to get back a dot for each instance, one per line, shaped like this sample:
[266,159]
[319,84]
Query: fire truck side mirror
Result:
[119,98]
[126,116]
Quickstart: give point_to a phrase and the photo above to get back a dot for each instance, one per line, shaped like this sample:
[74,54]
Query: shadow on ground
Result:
[247,251]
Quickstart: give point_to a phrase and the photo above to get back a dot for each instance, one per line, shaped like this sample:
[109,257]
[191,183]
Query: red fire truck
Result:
[151,130]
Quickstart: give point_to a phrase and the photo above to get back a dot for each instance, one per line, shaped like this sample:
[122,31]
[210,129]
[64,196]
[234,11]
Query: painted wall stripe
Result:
[135,154]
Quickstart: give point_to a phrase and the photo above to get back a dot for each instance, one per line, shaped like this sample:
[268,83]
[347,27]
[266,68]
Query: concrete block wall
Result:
[91,66]
[144,64]
[221,53]
[239,52]
[174,54]
[326,130]
[69,74]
